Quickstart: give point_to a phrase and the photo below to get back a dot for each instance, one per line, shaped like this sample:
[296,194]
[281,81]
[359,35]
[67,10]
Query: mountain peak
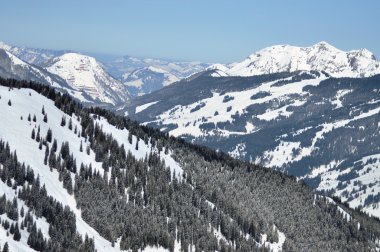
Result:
[318,57]
[4,46]
[83,72]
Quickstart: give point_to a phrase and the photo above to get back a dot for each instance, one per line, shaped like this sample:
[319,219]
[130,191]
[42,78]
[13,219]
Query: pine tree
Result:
[6,247]
[29,118]
[22,211]
[63,121]
[129,137]
[54,146]
[45,118]
[38,138]
[16,235]
[49,135]
[9,103]
[43,109]
[33,134]
[46,154]
[34,118]
[88,149]
[81,147]
[70,124]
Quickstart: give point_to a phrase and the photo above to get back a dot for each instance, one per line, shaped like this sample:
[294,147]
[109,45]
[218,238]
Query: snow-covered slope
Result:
[319,57]
[16,130]
[85,73]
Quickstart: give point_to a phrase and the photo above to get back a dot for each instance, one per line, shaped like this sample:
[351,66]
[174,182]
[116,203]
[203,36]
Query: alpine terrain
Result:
[103,73]
[311,112]
[85,179]
[145,75]
[80,75]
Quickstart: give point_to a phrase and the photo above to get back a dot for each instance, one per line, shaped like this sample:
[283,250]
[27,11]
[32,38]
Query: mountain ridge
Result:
[319,57]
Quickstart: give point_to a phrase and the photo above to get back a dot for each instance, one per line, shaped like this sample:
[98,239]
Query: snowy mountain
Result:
[321,129]
[77,179]
[140,75]
[13,67]
[148,79]
[33,56]
[145,75]
[84,73]
[319,57]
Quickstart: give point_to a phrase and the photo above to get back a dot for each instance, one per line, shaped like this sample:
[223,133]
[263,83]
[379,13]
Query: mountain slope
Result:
[320,129]
[319,57]
[131,187]
[84,73]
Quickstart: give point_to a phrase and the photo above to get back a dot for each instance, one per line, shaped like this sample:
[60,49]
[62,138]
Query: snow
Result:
[282,111]
[5,46]
[135,83]
[85,73]
[337,102]
[145,106]
[144,149]
[188,120]
[276,246]
[346,216]
[249,127]
[239,151]
[283,154]
[16,61]
[13,129]
[367,176]
[319,57]
[40,223]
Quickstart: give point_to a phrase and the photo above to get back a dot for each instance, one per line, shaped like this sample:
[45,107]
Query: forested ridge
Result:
[143,203]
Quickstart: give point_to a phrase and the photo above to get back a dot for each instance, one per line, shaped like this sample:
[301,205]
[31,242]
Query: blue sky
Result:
[205,30]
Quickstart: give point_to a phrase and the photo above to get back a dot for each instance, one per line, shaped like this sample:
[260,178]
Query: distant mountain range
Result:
[311,112]
[319,57]
[145,75]
[139,75]
[80,75]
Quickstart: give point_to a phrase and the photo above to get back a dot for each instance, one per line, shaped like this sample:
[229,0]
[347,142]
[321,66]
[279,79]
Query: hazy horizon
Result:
[212,31]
